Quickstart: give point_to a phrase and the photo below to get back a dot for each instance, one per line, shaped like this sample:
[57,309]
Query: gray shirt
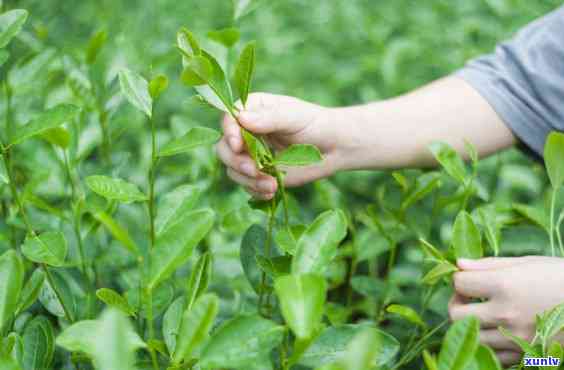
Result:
[523,80]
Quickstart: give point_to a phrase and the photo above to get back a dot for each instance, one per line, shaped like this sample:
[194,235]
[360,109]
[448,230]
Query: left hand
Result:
[515,291]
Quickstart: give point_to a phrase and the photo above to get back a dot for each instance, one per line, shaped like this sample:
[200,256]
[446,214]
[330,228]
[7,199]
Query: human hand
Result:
[516,290]
[282,120]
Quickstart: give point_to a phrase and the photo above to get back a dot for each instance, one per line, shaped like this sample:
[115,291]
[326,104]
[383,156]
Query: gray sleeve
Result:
[523,80]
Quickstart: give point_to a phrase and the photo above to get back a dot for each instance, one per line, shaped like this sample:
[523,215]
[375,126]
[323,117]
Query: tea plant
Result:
[122,247]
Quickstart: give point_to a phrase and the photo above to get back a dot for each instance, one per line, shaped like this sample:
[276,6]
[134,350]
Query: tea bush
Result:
[123,246]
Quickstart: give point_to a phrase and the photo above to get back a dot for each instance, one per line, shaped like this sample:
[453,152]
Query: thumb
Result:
[488,263]
[261,121]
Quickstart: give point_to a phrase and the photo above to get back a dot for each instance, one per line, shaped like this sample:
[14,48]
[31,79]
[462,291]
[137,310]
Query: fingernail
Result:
[234,143]
[265,186]
[249,117]
[248,169]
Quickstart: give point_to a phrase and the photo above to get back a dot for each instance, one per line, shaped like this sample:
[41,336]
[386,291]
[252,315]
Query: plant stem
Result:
[559,233]
[552,221]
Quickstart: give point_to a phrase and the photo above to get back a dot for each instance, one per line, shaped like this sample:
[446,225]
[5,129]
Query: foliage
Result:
[123,245]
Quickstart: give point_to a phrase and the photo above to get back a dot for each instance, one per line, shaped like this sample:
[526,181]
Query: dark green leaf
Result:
[252,245]
[31,290]
[11,283]
[39,344]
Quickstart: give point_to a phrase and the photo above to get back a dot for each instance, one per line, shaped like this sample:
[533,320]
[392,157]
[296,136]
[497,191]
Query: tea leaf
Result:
[58,136]
[11,23]
[287,238]
[118,232]
[115,300]
[431,251]
[96,43]
[44,122]
[318,245]
[195,327]
[39,344]
[197,72]
[407,313]
[466,237]
[450,161]
[31,290]
[186,41]
[49,248]
[171,322]
[54,303]
[136,90]
[441,270]
[536,215]
[240,342]
[199,279]
[157,86]
[195,137]
[252,245]
[302,298]
[430,360]
[331,345]
[176,242]
[226,36]
[492,228]
[11,282]
[363,350]
[522,343]
[553,323]
[486,359]
[255,148]
[244,71]
[459,345]
[175,203]
[424,185]
[4,56]
[298,155]
[115,189]
[554,158]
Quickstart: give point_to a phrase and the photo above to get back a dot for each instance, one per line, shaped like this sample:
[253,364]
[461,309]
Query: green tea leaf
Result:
[554,158]
[58,136]
[460,344]
[492,228]
[226,36]
[136,90]
[4,56]
[44,122]
[363,350]
[11,283]
[536,215]
[117,231]
[199,279]
[441,270]
[430,360]
[195,137]
[553,323]
[31,290]
[195,327]
[486,359]
[244,71]
[298,155]
[186,41]
[115,189]
[466,237]
[424,185]
[175,203]
[171,322]
[95,45]
[318,245]
[302,298]
[53,302]
[175,243]
[331,345]
[157,86]
[11,23]
[407,313]
[522,343]
[252,245]
[115,300]
[197,72]
[431,251]
[240,342]
[49,248]
[287,238]
[39,344]
[450,161]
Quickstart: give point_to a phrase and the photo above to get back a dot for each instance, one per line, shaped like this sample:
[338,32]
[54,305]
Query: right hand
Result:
[282,121]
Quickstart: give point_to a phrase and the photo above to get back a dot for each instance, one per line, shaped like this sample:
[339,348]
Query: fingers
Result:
[476,284]
[263,185]
[232,134]
[239,162]
[489,263]
[508,358]
[496,340]
[485,312]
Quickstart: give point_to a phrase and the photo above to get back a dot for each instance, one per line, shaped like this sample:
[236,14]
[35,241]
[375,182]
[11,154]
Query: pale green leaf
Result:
[459,344]
[115,189]
[95,45]
[244,71]
[197,72]
[175,203]
[118,232]
[58,136]
[136,90]
[298,155]
[554,158]
[39,344]
[449,160]
[226,36]
[49,248]
[11,23]
[199,278]
[115,300]
[195,137]
[486,359]
[363,350]
[171,322]
[441,270]
[466,237]
[407,313]
[158,85]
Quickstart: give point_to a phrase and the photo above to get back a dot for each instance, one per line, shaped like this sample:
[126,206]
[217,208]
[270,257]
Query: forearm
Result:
[396,133]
